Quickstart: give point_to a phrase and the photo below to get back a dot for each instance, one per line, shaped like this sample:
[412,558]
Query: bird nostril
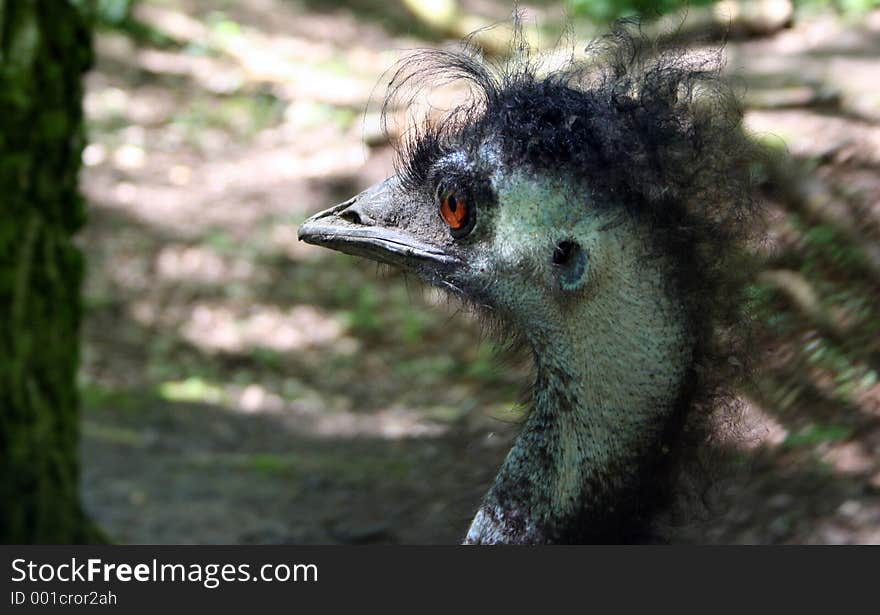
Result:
[351,215]
[357,214]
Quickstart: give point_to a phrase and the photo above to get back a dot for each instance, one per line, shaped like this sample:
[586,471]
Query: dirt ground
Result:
[241,387]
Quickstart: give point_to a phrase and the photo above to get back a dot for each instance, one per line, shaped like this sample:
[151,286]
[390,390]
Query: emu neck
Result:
[609,377]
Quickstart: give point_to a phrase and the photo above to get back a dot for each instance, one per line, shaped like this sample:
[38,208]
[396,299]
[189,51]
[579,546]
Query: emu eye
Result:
[456,213]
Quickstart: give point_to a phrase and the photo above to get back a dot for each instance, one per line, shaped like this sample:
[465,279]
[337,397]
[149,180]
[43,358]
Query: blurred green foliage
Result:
[607,10]
[192,389]
[845,7]
[117,15]
[113,11]
[817,434]
[243,115]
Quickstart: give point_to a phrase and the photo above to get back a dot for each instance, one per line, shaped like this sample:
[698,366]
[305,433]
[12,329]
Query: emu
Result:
[595,212]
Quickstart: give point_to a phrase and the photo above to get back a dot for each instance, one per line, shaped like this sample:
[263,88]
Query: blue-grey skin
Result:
[610,343]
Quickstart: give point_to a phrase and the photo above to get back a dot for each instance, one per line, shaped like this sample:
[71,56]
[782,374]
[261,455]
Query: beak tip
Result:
[302,233]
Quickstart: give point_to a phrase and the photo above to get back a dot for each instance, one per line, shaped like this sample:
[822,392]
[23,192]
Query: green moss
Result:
[817,434]
[192,389]
[355,470]
[271,464]
[45,48]
[103,399]
[266,357]
[117,436]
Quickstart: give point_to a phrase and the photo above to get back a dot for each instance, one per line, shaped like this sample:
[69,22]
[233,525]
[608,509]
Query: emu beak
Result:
[365,226]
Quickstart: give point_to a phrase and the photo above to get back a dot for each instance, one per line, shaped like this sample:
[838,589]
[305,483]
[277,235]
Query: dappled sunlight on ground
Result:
[177,263]
[217,327]
[311,414]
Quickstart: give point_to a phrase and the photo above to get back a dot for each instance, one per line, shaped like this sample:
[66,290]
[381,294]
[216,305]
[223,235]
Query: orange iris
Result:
[454,211]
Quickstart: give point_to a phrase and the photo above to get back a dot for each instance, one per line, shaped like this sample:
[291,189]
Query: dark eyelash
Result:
[417,159]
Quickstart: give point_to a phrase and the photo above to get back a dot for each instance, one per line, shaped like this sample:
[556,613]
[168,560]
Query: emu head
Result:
[523,198]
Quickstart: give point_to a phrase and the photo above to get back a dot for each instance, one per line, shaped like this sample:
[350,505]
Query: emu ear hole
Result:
[572,265]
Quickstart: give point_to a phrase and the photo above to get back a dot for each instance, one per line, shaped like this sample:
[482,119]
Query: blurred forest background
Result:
[238,386]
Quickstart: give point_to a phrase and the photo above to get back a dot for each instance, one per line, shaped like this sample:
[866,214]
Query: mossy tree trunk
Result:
[45,46]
